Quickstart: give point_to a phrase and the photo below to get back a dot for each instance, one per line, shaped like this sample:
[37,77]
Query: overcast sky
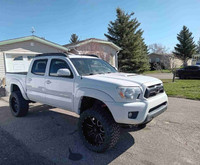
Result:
[56,20]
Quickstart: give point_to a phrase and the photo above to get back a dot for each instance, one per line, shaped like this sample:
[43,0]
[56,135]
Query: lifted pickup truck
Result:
[103,97]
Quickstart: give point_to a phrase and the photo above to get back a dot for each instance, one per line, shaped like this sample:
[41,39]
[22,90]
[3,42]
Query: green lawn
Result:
[157,71]
[189,89]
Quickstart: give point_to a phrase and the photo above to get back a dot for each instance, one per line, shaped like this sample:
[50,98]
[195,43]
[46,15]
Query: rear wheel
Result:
[18,105]
[98,130]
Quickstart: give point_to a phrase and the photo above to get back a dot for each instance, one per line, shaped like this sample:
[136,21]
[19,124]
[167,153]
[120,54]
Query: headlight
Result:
[129,92]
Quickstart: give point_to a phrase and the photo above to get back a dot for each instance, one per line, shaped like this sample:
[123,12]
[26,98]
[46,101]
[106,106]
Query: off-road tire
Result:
[18,105]
[111,128]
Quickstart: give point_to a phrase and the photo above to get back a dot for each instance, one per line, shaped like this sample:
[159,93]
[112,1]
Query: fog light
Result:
[130,114]
[133,115]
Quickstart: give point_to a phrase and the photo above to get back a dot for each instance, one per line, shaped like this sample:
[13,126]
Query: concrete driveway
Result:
[49,136]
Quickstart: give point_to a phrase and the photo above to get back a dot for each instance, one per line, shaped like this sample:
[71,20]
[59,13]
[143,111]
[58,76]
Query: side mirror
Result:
[64,73]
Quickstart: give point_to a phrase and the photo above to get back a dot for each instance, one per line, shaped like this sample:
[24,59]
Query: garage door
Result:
[18,62]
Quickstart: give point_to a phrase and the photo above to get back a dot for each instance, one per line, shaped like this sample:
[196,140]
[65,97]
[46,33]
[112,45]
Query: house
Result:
[196,59]
[104,49]
[16,54]
[165,61]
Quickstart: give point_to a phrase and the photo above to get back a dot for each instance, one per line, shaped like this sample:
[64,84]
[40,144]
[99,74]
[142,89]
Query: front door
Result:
[59,90]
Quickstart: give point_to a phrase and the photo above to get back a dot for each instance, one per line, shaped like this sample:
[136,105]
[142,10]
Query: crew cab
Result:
[103,97]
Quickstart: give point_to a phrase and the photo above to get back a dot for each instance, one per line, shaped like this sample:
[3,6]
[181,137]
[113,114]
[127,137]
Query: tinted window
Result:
[57,64]
[191,68]
[39,67]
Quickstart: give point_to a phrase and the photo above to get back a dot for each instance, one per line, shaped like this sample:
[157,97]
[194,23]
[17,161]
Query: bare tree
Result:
[158,48]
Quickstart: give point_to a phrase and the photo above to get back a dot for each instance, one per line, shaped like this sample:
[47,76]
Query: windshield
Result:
[92,66]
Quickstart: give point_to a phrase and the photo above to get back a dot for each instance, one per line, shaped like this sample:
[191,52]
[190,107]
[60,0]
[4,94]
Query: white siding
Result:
[2,67]
[26,48]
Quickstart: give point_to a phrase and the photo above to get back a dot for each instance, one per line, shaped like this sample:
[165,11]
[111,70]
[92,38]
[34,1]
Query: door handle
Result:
[30,79]
[48,82]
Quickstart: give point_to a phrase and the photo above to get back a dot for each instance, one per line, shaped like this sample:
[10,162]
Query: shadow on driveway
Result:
[50,137]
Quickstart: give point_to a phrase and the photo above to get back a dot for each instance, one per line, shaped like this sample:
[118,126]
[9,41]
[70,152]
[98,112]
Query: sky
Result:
[56,20]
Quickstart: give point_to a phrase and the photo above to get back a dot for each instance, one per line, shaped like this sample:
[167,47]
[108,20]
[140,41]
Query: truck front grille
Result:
[153,90]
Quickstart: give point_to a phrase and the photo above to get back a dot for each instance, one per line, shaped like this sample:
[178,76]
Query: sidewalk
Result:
[6,99]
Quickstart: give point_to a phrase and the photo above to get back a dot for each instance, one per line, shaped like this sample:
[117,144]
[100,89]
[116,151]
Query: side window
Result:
[39,67]
[157,59]
[57,64]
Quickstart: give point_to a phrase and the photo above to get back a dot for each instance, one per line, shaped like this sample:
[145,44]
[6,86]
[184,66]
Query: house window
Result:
[157,59]
[30,58]
[19,58]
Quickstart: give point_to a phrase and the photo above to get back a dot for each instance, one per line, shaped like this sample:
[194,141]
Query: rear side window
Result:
[39,67]
[191,68]
[57,64]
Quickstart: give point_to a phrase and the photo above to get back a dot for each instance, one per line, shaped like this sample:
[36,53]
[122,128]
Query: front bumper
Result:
[147,109]
[156,112]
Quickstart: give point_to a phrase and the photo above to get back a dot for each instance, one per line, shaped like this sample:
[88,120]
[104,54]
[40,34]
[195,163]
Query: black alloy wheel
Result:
[93,131]
[98,130]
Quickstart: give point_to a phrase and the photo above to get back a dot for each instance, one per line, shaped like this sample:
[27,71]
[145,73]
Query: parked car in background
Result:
[188,72]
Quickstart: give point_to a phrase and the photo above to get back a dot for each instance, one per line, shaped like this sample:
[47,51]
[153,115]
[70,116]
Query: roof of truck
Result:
[68,55]
[82,56]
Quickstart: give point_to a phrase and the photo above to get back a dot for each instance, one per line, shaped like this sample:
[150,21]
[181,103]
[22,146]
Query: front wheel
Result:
[18,105]
[98,130]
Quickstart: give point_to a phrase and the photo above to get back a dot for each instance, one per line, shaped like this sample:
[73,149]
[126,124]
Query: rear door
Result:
[187,72]
[59,90]
[35,81]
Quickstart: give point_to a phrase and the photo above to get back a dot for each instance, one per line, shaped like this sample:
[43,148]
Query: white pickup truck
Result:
[103,97]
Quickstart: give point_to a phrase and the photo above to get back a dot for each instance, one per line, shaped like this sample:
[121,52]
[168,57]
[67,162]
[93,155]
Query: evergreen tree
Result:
[74,38]
[186,46]
[124,32]
[198,46]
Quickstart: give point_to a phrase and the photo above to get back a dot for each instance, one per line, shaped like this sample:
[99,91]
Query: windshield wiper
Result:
[96,73]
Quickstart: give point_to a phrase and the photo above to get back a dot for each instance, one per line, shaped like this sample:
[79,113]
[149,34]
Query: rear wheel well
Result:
[89,102]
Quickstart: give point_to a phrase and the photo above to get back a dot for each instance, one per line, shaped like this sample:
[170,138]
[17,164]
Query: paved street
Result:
[49,136]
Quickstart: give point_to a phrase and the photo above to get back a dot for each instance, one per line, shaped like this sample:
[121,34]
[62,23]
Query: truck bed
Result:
[19,77]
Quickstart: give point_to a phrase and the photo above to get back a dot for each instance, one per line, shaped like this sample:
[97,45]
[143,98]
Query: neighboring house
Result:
[102,48]
[166,61]
[196,59]
[16,54]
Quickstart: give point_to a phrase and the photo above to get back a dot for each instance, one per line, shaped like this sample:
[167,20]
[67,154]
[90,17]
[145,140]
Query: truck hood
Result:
[125,79]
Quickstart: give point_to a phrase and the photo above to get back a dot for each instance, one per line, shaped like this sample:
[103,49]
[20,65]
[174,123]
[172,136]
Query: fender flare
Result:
[90,92]
[22,90]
